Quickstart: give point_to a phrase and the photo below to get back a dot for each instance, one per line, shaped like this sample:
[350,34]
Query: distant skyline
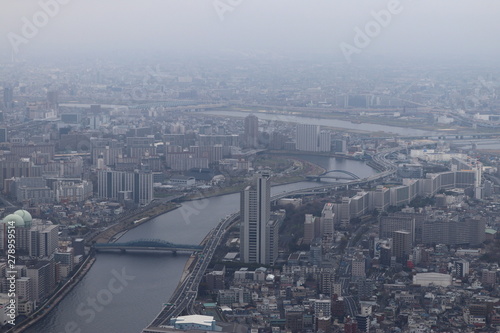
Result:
[427,28]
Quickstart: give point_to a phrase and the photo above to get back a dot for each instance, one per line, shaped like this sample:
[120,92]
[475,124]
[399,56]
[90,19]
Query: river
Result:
[335,123]
[148,279]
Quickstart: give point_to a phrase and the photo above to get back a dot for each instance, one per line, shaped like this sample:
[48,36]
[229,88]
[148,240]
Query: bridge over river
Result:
[334,174]
[147,245]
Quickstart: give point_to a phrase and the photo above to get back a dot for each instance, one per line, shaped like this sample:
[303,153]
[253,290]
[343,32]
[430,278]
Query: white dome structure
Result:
[18,220]
[25,215]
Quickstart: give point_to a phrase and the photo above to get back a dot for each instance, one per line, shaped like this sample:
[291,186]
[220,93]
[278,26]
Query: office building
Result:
[324,324]
[3,134]
[435,182]
[344,212]
[42,277]
[4,309]
[310,138]
[365,289]
[385,255]
[461,268]
[53,99]
[358,267]
[255,214]
[327,222]
[316,253]
[272,239]
[453,231]
[359,204]
[390,224]
[400,195]
[363,323]
[23,289]
[73,191]
[65,257]
[138,183]
[311,228]
[324,141]
[307,137]
[215,279]
[8,97]
[294,320]
[338,306]
[419,221]
[109,150]
[43,239]
[327,278]
[27,150]
[78,245]
[488,277]
[339,146]
[138,147]
[22,167]
[410,171]
[381,198]
[322,308]
[402,245]
[251,131]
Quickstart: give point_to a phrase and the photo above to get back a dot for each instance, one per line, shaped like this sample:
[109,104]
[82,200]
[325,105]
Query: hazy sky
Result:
[442,27]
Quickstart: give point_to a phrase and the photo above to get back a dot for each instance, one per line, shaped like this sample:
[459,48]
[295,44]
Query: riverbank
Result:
[129,222]
[187,269]
[277,115]
[54,300]
[158,272]
[111,234]
[307,168]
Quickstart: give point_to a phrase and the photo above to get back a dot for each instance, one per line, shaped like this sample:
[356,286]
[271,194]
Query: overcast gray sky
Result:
[443,27]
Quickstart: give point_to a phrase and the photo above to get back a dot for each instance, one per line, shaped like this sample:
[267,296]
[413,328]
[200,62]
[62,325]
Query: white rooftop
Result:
[195,319]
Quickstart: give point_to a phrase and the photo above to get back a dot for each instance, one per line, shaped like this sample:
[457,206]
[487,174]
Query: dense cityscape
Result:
[408,243]
[323,168]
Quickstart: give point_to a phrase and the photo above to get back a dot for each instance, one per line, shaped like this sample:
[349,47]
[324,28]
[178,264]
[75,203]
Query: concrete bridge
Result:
[147,245]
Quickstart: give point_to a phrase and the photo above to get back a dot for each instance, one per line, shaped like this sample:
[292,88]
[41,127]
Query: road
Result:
[185,294]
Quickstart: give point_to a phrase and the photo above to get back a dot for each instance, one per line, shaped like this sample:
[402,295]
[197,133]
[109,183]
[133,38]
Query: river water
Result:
[103,303]
[326,122]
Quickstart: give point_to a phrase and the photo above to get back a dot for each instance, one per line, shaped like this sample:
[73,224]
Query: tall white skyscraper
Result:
[307,137]
[310,138]
[324,141]
[251,131]
[327,222]
[255,214]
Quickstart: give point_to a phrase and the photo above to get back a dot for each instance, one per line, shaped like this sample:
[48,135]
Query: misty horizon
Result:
[417,29]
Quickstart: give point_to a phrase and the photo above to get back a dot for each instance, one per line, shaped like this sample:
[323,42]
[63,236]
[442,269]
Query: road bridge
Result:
[147,245]
[328,175]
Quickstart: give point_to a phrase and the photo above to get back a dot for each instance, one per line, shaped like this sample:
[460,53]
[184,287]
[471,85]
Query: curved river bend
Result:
[103,303]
